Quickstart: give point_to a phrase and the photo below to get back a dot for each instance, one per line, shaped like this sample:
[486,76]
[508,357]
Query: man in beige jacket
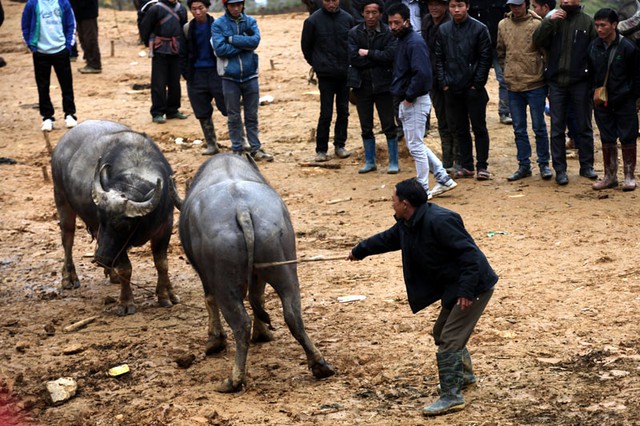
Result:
[523,66]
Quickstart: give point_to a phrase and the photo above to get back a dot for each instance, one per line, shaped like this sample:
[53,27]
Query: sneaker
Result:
[70,121]
[90,70]
[441,188]
[483,174]
[177,115]
[321,157]
[159,119]
[260,155]
[506,119]
[464,173]
[47,125]
[342,152]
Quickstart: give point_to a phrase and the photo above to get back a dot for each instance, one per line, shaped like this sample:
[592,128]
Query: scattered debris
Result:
[351,298]
[80,324]
[119,370]
[62,390]
[185,361]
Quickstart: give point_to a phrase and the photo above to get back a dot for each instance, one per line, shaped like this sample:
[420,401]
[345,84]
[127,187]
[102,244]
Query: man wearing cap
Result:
[235,37]
[566,35]
[324,46]
[523,65]
[198,67]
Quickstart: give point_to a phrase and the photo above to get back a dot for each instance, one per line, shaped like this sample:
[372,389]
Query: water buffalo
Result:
[118,182]
[230,220]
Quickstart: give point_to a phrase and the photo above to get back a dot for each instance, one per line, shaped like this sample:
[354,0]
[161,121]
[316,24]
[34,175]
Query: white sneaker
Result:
[70,121]
[441,188]
[47,125]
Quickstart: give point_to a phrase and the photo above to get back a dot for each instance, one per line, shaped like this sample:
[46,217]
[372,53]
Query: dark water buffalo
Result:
[118,182]
[230,220]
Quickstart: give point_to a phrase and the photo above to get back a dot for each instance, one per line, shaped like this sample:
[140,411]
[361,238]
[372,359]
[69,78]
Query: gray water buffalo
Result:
[230,220]
[118,182]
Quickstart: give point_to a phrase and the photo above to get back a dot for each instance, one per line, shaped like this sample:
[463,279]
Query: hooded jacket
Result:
[566,42]
[463,55]
[324,42]
[440,260]
[521,61]
[31,24]
[234,43]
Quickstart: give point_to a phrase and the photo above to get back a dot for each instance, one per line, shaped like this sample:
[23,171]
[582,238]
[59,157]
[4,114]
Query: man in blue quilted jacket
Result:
[235,37]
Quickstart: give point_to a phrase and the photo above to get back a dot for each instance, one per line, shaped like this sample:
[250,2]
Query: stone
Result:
[62,390]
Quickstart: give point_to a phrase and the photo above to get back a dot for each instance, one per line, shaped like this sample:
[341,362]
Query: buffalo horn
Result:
[142,208]
[96,190]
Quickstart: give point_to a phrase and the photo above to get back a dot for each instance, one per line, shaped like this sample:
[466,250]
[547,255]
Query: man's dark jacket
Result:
[623,84]
[84,9]
[429,33]
[412,76]
[324,42]
[160,22]
[463,55]
[377,66]
[440,260]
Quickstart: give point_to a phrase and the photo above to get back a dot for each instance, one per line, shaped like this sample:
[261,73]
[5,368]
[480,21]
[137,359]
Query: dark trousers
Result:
[461,108]
[332,88]
[618,122]
[88,35]
[576,98]
[42,64]
[365,100]
[453,327]
[165,84]
[203,87]
[450,147]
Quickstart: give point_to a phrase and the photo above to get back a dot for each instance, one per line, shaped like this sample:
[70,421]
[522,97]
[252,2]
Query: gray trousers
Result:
[453,327]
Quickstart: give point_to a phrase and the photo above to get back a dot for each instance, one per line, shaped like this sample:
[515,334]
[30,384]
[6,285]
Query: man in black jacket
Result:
[324,46]
[86,13]
[463,59]
[371,52]
[440,261]
[198,67]
[161,29]
[615,59]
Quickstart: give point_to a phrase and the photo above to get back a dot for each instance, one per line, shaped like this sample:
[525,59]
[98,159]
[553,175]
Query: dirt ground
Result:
[558,343]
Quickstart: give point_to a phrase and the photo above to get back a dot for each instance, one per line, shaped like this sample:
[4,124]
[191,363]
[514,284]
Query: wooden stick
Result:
[300,260]
[338,200]
[47,142]
[322,165]
[80,324]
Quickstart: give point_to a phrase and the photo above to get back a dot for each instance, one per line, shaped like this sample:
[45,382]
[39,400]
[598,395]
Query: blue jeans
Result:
[249,91]
[518,102]
[503,103]
[414,118]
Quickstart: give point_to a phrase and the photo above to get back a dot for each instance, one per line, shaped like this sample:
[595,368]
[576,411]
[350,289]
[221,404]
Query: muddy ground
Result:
[558,343]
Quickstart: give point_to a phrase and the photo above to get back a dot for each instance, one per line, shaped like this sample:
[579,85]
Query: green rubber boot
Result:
[451,371]
[369,156]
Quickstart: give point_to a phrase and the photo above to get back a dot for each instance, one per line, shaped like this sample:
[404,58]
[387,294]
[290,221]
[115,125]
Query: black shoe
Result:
[178,115]
[545,172]
[589,173]
[562,178]
[522,172]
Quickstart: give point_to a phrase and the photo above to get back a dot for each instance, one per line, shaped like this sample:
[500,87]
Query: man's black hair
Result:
[607,15]
[207,3]
[368,2]
[399,9]
[550,3]
[412,191]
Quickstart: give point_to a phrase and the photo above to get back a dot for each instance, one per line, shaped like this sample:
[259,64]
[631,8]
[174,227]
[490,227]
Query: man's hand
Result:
[558,14]
[464,303]
[406,103]
[363,52]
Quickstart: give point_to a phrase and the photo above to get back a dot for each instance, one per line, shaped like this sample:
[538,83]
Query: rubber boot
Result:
[451,373]
[629,153]
[209,136]
[392,146]
[610,158]
[468,378]
[369,156]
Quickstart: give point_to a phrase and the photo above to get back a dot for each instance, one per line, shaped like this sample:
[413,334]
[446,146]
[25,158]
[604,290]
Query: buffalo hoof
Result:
[71,284]
[122,310]
[174,299]
[261,336]
[215,346]
[165,303]
[227,386]
[322,369]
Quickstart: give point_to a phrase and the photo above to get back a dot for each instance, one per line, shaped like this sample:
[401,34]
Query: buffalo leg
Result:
[123,270]
[67,218]
[217,338]
[261,332]
[164,288]
[234,312]
[289,292]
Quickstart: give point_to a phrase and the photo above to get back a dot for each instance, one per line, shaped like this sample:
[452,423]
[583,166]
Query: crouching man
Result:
[440,261]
